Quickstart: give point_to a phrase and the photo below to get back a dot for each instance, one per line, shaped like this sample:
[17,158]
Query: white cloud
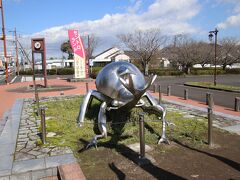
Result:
[171,16]
[135,7]
[234,18]
[230,21]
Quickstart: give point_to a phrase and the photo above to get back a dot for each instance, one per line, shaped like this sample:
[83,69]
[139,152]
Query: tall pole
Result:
[88,52]
[4,42]
[215,32]
[16,40]
[215,60]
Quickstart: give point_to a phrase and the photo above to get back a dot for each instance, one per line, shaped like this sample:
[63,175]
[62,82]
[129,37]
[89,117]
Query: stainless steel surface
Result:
[120,85]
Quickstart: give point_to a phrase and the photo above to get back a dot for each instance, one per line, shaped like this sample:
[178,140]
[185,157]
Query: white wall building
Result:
[110,55]
[55,63]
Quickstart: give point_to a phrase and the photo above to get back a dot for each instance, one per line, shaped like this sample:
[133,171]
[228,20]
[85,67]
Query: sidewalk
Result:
[7,98]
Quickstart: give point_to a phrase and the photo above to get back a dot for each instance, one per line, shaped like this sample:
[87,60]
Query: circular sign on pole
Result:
[90,62]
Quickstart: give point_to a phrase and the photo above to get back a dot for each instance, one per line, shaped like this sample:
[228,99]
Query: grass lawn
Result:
[62,116]
[188,154]
[211,85]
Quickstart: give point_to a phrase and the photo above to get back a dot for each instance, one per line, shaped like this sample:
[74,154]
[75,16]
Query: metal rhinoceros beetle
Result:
[121,86]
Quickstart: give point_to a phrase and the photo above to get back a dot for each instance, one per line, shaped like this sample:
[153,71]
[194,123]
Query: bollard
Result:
[43,125]
[237,104]
[186,94]
[155,88]
[159,94]
[37,100]
[210,113]
[87,87]
[209,99]
[169,90]
[142,135]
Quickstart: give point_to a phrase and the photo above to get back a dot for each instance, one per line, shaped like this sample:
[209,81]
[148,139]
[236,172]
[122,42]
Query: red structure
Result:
[38,47]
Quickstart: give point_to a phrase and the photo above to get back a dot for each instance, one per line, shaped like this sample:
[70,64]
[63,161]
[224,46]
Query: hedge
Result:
[206,71]
[166,72]
[95,71]
[159,72]
[60,71]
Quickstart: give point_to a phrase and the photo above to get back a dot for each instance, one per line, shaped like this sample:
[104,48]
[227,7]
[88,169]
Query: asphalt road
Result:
[222,98]
[3,78]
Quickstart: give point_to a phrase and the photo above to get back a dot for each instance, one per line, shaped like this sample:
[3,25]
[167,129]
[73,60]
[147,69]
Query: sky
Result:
[107,18]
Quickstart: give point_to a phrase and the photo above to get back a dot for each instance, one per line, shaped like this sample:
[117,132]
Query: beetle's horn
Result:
[150,82]
[129,85]
[147,85]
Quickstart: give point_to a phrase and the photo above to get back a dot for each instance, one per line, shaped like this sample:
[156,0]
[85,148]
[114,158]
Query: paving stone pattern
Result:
[29,135]
[188,112]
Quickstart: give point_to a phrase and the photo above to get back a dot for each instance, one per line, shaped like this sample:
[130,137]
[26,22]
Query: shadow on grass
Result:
[113,143]
[131,155]
[229,162]
[117,171]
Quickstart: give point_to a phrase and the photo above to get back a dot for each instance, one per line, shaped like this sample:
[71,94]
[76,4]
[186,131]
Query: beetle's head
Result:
[128,78]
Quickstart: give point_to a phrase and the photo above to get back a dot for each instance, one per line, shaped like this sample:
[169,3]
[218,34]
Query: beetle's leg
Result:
[102,125]
[86,101]
[159,109]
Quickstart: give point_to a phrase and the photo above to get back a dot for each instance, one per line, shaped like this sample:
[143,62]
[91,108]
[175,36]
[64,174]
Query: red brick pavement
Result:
[7,97]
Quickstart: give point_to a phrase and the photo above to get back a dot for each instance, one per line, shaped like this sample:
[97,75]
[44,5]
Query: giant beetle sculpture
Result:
[121,86]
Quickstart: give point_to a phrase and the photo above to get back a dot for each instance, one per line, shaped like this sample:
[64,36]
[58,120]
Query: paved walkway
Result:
[7,97]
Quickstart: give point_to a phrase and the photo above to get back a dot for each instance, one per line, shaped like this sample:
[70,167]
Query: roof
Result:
[103,52]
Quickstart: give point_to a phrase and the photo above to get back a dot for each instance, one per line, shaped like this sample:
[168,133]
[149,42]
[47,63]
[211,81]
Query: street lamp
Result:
[211,33]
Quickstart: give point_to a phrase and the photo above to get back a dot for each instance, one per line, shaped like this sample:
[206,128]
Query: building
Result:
[55,63]
[110,55]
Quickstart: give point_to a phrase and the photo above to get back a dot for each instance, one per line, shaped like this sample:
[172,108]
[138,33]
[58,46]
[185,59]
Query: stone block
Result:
[55,161]
[23,176]
[28,165]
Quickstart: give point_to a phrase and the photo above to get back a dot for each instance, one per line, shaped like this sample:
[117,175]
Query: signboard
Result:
[80,66]
[90,62]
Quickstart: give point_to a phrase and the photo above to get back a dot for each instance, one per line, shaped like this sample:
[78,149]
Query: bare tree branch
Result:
[145,44]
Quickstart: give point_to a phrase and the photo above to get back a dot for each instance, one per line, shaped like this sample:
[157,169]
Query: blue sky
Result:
[107,18]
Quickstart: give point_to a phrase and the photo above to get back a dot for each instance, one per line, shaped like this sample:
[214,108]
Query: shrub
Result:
[95,71]
[52,71]
[65,71]
[233,71]
[166,72]
[206,71]
[60,71]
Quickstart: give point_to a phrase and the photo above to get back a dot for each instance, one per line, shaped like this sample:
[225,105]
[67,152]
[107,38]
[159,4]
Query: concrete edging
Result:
[8,138]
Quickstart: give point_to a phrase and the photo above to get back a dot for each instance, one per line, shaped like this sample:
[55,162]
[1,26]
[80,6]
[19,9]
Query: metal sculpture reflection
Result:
[121,86]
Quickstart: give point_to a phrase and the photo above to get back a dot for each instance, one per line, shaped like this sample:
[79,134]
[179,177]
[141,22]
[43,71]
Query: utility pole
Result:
[4,42]
[88,54]
[17,62]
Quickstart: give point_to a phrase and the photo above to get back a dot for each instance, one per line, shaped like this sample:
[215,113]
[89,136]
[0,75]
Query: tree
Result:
[66,48]
[206,54]
[183,52]
[90,43]
[229,52]
[145,44]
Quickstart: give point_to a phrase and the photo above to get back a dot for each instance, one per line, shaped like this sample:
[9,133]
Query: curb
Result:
[25,168]
[237,118]
[185,84]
